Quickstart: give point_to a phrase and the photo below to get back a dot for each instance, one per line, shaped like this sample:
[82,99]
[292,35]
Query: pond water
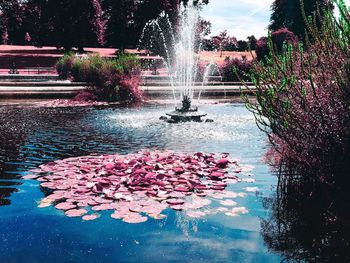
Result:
[34,136]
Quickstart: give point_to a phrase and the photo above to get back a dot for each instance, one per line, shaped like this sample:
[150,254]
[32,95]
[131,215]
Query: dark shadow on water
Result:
[32,136]
[17,127]
[308,222]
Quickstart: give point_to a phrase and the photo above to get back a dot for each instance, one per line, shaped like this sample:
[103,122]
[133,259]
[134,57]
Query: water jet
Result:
[180,51]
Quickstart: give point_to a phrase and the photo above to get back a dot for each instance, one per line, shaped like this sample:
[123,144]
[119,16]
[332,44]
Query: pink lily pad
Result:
[222,163]
[90,217]
[146,182]
[75,212]
[29,177]
[133,219]
[228,203]
[175,201]
[65,206]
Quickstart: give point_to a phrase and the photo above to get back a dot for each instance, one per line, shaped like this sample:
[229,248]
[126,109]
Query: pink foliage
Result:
[100,22]
[234,67]
[141,185]
[307,106]
[262,49]
[130,88]
[27,38]
[278,38]
[85,96]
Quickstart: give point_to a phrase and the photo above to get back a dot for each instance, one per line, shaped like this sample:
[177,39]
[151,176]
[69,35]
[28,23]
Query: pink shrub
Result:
[262,49]
[85,96]
[233,67]
[278,39]
[109,79]
[282,36]
[129,88]
[302,103]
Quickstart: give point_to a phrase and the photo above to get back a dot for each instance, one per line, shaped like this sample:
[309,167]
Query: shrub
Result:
[65,64]
[282,36]
[109,79]
[278,39]
[129,88]
[236,69]
[303,104]
[262,49]
[85,96]
[128,64]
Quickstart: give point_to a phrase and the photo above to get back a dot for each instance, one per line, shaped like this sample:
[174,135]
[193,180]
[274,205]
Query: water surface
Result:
[33,136]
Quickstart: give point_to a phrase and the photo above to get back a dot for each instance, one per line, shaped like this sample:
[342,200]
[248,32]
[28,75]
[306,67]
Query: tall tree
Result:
[79,23]
[63,23]
[252,41]
[128,18]
[11,21]
[289,14]
[75,24]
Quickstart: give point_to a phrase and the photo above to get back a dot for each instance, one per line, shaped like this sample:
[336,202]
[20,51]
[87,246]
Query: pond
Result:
[34,136]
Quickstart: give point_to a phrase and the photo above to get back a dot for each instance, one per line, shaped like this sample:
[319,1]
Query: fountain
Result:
[186,112]
[180,55]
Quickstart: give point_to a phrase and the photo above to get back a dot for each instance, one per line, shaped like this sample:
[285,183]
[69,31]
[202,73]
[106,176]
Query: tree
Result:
[289,14]
[204,27]
[79,23]
[11,20]
[242,45]
[231,44]
[278,39]
[221,41]
[252,41]
[76,24]
[62,23]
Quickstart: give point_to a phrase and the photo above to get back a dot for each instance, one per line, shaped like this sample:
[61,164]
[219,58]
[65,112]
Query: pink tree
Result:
[5,36]
[99,22]
[27,38]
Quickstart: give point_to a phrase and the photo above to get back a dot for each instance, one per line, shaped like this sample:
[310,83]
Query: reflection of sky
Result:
[240,18]
[29,233]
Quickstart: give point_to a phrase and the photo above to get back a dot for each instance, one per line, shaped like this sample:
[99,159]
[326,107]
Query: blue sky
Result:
[240,17]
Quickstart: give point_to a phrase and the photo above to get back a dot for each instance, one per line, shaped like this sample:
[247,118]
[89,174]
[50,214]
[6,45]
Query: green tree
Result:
[289,14]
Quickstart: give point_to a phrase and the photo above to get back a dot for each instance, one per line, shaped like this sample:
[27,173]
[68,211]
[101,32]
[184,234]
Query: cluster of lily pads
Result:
[141,185]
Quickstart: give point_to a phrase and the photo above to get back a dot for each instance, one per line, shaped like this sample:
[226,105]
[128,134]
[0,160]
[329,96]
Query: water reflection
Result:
[31,137]
[12,138]
[18,151]
[308,223]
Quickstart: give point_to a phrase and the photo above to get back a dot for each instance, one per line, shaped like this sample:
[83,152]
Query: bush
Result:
[128,64]
[109,79]
[282,36]
[65,64]
[85,96]
[303,104]
[278,39]
[236,69]
[129,88]
[262,49]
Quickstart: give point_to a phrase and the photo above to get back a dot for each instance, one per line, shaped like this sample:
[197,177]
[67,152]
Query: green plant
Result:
[109,79]
[65,64]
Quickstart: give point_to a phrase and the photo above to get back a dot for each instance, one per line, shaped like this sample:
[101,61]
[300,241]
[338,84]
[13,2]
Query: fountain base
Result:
[181,116]
[185,114]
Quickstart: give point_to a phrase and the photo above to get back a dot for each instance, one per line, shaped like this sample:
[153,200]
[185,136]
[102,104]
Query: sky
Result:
[241,18]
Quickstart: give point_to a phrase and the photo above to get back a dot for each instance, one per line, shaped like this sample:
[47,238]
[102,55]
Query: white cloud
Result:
[241,18]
